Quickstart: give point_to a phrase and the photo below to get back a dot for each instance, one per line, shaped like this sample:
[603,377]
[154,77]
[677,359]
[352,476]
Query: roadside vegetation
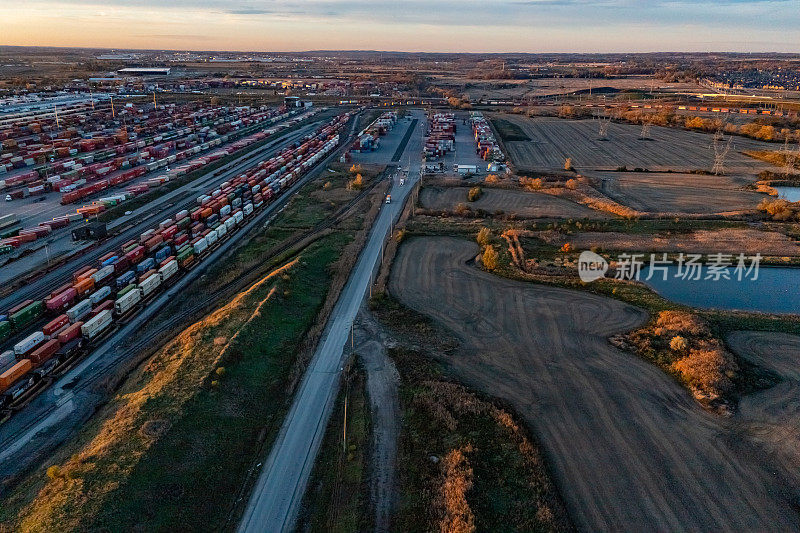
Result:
[336,500]
[468,465]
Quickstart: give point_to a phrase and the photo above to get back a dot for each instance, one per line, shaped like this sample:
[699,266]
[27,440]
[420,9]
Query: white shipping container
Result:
[30,342]
[126,302]
[7,360]
[225,211]
[101,294]
[211,238]
[79,310]
[222,230]
[200,246]
[92,328]
[102,274]
[248,209]
[168,270]
[149,284]
[238,217]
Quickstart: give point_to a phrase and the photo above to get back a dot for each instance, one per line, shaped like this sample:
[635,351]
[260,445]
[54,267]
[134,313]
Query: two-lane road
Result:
[276,497]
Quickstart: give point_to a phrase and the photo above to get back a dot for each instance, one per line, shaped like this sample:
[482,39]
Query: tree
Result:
[572,184]
[568,164]
[490,257]
[483,236]
[473,194]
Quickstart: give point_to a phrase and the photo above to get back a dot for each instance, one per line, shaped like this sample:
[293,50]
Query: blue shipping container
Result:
[124,279]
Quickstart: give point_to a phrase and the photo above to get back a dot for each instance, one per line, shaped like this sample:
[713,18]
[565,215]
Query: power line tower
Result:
[790,158]
[603,121]
[721,149]
[645,135]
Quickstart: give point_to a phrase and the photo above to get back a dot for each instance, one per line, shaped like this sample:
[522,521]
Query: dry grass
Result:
[171,378]
[683,342]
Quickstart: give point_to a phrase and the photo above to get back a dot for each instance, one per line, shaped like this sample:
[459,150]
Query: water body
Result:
[791,194]
[776,290]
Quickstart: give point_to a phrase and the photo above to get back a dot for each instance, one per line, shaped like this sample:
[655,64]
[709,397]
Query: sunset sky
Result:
[411,25]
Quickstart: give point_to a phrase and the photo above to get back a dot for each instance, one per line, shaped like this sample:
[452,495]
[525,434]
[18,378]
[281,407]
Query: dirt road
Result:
[628,447]
[527,204]
[383,382]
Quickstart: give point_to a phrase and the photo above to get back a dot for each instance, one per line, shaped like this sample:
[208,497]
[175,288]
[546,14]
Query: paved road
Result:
[276,497]
[63,408]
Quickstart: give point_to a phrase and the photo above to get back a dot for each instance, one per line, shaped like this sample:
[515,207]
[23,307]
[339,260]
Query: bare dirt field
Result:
[522,203]
[772,417]
[628,447]
[732,241]
[679,193]
[555,139]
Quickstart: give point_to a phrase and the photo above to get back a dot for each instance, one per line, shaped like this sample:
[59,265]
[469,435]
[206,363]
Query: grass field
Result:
[336,498]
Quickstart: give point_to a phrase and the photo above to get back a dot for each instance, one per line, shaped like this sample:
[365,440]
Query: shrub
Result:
[572,184]
[221,371]
[492,178]
[357,183]
[483,236]
[566,247]
[678,344]
[533,184]
[462,210]
[490,257]
[400,235]
[356,169]
[474,193]
[54,472]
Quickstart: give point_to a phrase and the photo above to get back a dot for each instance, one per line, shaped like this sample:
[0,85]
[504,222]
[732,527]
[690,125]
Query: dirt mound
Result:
[630,450]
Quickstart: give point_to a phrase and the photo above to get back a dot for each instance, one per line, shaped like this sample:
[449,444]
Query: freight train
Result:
[100,297]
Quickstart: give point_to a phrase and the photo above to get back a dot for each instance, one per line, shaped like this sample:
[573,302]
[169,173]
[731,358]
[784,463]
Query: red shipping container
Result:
[121,265]
[62,300]
[135,255]
[153,242]
[55,325]
[44,352]
[169,232]
[106,305]
[72,332]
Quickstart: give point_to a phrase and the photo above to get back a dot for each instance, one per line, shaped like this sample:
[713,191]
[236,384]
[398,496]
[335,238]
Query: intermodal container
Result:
[79,310]
[55,325]
[70,333]
[13,374]
[94,327]
[28,344]
[62,300]
[43,353]
[84,286]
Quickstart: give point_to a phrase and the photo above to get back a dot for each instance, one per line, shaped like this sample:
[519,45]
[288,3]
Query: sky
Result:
[409,25]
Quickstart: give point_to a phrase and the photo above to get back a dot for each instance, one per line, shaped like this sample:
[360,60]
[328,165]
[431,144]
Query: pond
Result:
[775,290]
[791,194]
